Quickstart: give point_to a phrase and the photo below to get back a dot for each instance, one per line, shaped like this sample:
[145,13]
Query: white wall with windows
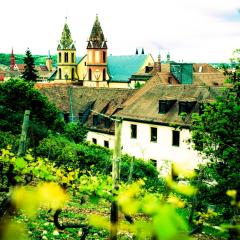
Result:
[162,143]
[102,139]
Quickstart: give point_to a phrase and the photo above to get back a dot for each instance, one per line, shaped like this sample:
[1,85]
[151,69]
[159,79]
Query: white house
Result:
[156,119]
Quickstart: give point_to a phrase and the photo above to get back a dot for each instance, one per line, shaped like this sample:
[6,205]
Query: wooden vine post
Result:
[23,138]
[116,177]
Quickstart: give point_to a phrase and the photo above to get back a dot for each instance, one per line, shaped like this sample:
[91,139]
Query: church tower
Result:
[12,61]
[97,57]
[66,70]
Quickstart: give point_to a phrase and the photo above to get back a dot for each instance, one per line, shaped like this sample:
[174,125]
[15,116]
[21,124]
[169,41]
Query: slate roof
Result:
[144,105]
[105,100]
[121,68]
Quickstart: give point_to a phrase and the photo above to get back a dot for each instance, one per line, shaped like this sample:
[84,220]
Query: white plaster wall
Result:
[162,150]
[101,137]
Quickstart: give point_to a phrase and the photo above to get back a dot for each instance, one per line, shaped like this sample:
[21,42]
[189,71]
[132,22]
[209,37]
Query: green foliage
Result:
[16,96]
[6,138]
[29,73]
[138,85]
[96,159]
[216,133]
[38,59]
[75,132]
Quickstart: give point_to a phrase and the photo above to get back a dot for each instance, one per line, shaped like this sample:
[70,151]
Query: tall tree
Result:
[216,134]
[29,73]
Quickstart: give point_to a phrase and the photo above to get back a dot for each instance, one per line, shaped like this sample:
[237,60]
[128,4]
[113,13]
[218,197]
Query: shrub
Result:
[96,159]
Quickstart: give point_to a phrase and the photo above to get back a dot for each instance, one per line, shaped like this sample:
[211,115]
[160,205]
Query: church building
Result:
[96,68]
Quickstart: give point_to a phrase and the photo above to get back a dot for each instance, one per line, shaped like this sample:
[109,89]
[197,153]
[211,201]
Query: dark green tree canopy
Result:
[16,95]
[29,73]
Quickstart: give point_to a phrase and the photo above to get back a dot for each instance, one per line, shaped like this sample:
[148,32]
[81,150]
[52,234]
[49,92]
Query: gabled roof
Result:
[144,105]
[105,100]
[121,68]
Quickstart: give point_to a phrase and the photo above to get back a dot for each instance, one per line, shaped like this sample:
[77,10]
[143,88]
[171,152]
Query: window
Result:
[106,144]
[162,107]
[182,107]
[186,107]
[153,134]
[85,63]
[104,74]
[154,162]
[65,57]
[175,138]
[95,120]
[133,131]
[104,56]
[60,73]
[72,57]
[72,73]
[59,57]
[107,122]
[94,140]
[90,74]
[165,105]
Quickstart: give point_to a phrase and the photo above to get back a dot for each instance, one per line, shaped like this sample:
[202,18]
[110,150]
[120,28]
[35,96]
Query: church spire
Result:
[66,41]
[12,60]
[97,39]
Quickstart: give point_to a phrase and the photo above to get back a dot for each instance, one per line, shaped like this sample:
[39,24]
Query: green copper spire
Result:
[66,41]
[97,39]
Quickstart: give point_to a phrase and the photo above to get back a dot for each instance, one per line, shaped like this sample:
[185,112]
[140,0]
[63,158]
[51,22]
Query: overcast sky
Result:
[191,30]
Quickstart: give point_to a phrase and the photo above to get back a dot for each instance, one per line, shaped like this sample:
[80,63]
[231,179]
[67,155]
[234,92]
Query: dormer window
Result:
[95,120]
[186,106]
[107,123]
[165,105]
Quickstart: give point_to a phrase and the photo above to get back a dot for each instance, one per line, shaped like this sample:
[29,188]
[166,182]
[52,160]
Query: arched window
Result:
[65,57]
[59,57]
[104,74]
[60,73]
[104,56]
[72,57]
[72,73]
[90,74]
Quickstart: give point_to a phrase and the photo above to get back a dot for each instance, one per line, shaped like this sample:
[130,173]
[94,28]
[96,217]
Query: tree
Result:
[75,132]
[216,134]
[16,96]
[29,73]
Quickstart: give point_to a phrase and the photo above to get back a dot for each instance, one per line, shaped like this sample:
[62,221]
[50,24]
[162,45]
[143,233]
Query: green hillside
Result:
[39,59]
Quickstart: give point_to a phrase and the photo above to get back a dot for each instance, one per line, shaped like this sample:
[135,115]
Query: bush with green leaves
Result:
[89,157]
[75,132]
[6,138]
